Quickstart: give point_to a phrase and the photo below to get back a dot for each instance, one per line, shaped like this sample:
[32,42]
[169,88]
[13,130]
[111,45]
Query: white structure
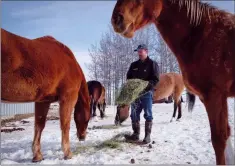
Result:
[13,109]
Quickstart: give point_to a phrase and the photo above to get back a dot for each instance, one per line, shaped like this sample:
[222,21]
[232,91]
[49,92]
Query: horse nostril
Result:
[118,18]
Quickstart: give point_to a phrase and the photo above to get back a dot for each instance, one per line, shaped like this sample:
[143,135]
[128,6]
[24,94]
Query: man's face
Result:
[142,54]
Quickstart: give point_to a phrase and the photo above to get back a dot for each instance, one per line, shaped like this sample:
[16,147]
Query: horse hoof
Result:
[69,156]
[81,139]
[172,119]
[117,124]
[178,120]
[37,158]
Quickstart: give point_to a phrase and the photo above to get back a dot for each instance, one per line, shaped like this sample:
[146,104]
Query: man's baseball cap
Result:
[141,46]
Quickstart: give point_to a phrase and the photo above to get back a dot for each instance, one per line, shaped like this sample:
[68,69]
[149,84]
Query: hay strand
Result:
[130,91]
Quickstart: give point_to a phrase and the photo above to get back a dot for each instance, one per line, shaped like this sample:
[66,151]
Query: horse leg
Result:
[179,110]
[94,108]
[41,110]
[100,106]
[104,105]
[100,109]
[67,103]
[91,107]
[216,107]
[117,120]
[174,112]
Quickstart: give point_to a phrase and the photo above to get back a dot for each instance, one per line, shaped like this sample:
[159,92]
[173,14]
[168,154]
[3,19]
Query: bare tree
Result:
[167,60]
[111,58]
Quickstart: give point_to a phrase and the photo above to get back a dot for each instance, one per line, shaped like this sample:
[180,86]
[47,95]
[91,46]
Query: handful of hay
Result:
[131,91]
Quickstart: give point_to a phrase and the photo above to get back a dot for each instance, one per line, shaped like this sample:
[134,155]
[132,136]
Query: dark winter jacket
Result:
[147,70]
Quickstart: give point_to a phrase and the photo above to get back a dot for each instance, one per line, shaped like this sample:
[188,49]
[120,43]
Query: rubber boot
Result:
[148,128]
[136,133]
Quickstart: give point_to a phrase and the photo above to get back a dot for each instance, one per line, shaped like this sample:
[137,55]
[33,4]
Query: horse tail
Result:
[191,100]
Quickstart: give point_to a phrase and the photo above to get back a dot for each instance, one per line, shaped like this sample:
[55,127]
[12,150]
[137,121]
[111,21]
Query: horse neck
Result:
[177,30]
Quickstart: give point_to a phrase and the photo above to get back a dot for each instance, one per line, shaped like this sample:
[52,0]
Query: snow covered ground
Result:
[184,142]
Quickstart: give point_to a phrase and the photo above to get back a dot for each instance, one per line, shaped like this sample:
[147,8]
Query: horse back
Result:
[37,69]
[11,55]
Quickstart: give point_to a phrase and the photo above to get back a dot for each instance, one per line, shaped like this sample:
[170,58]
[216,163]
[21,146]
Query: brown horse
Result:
[97,94]
[102,103]
[169,84]
[203,46]
[43,71]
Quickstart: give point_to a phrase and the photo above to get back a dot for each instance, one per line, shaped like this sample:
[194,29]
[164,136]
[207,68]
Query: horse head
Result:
[122,114]
[131,15]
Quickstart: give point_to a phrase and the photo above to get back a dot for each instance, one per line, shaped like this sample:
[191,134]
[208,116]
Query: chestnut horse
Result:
[203,46]
[43,71]
[102,103]
[97,95]
[169,84]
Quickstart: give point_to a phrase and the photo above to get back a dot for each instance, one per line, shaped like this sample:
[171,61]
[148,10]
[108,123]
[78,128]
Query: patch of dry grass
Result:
[52,118]
[17,117]
[113,143]
[103,127]
[109,144]
[11,130]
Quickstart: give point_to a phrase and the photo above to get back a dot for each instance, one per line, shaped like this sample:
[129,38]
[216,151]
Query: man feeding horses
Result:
[148,70]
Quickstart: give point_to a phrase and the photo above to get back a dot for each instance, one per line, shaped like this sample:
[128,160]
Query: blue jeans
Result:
[144,102]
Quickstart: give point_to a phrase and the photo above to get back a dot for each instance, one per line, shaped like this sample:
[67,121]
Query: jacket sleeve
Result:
[129,74]
[154,77]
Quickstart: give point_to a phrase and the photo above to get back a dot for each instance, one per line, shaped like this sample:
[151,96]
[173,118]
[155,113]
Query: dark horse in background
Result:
[96,96]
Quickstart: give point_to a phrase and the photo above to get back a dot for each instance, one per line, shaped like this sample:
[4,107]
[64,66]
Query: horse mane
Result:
[196,10]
